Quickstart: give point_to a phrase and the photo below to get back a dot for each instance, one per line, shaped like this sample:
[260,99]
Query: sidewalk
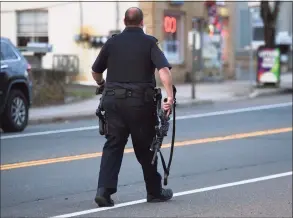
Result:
[204,93]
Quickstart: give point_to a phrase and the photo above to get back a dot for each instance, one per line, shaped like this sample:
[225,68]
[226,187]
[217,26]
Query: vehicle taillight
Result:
[29,71]
[29,67]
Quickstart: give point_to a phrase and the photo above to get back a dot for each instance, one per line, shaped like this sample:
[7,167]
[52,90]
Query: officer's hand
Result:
[101,86]
[167,106]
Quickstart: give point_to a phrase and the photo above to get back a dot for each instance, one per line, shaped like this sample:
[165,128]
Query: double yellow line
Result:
[130,150]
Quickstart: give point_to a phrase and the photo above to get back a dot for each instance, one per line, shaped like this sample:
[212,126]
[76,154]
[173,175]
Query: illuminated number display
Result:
[170,25]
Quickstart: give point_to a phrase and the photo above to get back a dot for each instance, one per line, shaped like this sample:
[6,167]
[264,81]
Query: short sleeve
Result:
[158,57]
[100,64]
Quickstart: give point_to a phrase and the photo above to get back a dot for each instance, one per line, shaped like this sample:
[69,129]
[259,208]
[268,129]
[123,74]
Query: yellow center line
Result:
[130,150]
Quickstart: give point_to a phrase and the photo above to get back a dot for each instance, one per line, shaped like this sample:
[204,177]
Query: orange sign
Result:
[170,24]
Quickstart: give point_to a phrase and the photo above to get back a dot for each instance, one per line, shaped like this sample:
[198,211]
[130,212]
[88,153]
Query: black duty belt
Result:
[128,93]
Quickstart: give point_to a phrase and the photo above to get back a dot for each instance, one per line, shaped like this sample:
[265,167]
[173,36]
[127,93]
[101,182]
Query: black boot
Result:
[165,195]
[103,198]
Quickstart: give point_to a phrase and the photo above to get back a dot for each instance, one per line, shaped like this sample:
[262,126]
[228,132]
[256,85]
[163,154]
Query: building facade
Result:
[249,32]
[249,26]
[58,24]
[173,22]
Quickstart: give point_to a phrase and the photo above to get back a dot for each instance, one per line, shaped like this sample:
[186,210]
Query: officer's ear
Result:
[141,23]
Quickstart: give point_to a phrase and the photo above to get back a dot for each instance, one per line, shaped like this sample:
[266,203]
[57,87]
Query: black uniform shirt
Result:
[130,59]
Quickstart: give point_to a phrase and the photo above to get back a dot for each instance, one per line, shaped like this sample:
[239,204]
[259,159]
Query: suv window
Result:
[1,56]
[6,52]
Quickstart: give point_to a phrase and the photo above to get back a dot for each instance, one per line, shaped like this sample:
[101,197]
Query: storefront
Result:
[171,22]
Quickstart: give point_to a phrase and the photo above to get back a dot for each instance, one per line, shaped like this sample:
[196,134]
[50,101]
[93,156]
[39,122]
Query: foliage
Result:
[48,87]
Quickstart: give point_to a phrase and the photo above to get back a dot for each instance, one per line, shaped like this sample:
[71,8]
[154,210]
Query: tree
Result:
[269,18]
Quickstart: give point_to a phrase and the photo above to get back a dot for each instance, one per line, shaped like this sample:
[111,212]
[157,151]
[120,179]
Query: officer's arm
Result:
[163,67]
[166,79]
[100,64]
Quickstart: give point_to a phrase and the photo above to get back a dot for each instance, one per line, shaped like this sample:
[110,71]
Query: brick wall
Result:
[148,10]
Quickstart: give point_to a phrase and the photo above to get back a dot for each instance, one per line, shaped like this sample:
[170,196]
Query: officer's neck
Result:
[133,26]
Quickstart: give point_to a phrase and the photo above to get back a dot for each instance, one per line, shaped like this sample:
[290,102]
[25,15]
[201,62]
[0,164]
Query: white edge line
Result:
[234,111]
[194,116]
[49,132]
[242,182]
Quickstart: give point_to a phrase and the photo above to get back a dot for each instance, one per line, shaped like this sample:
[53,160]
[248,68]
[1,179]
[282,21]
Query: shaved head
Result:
[133,17]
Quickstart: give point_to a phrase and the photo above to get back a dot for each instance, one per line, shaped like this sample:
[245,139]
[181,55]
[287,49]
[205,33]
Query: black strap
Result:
[167,169]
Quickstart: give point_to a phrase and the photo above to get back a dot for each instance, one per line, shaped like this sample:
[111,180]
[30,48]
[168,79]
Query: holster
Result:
[100,113]
[102,126]
[157,101]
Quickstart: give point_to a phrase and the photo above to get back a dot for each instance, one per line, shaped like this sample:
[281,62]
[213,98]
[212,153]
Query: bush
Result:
[48,87]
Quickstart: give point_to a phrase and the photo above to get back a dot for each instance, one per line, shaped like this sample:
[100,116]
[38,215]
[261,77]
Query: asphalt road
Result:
[230,159]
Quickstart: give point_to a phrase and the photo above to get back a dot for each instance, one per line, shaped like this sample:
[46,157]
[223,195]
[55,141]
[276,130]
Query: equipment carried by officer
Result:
[100,113]
[161,132]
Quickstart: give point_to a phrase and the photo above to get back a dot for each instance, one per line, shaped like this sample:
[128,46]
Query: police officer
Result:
[131,58]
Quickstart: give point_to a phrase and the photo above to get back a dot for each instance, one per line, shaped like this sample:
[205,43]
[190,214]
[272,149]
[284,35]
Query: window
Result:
[32,26]
[7,53]
[173,43]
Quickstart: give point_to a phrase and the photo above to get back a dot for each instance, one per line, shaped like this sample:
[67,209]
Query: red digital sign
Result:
[170,25]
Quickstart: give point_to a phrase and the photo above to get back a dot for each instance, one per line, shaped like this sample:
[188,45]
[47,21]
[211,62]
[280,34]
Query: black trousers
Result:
[135,117]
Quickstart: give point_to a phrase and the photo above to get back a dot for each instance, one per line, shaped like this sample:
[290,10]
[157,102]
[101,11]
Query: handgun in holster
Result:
[100,113]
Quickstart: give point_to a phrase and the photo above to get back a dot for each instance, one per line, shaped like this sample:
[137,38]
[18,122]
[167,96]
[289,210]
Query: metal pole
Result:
[200,62]
[220,48]
[117,15]
[193,65]
[251,49]
[34,26]
[80,16]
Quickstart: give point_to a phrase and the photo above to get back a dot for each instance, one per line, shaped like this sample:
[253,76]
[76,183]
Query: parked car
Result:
[15,88]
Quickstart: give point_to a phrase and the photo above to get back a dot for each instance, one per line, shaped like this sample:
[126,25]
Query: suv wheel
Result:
[15,117]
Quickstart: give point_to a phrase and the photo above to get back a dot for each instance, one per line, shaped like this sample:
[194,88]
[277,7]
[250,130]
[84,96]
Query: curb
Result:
[269,92]
[189,103]
[60,119]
